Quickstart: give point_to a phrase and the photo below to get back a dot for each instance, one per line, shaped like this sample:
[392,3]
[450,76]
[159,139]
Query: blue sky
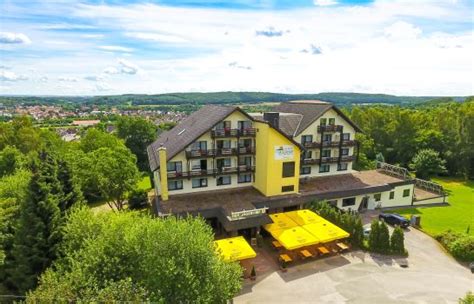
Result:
[401,47]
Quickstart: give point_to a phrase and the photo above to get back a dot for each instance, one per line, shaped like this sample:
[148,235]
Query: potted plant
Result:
[253,274]
[283,266]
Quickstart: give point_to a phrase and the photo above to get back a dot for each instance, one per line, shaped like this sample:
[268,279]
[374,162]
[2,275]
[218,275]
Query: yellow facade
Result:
[269,178]
[163,174]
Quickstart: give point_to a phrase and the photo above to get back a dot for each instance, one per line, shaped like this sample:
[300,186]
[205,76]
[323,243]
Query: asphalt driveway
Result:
[432,276]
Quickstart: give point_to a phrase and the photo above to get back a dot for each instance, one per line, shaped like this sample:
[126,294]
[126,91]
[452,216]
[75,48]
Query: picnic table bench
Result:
[285,258]
[306,254]
[323,250]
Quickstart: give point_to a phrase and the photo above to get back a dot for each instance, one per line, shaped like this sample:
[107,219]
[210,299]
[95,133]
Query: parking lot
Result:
[430,276]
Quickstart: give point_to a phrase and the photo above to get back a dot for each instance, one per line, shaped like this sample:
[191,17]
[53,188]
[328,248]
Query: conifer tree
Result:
[397,241]
[384,238]
[374,236]
[38,231]
[71,193]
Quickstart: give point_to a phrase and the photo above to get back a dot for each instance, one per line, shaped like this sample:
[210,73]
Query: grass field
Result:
[457,217]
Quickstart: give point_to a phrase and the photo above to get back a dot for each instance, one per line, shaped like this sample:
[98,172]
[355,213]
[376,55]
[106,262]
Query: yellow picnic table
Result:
[276,244]
[342,246]
[306,254]
[285,258]
[323,250]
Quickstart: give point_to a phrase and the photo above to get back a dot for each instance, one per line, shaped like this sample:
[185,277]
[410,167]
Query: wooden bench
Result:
[285,258]
[342,246]
[323,250]
[306,254]
[276,245]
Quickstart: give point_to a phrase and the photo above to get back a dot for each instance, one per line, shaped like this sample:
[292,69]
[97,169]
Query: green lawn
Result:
[457,217]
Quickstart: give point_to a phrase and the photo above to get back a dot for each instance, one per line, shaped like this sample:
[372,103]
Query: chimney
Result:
[273,119]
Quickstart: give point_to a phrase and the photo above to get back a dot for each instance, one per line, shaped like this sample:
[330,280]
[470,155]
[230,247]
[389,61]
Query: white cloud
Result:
[126,67]
[67,79]
[324,2]
[101,87]
[94,78]
[402,30]
[14,38]
[10,76]
[111,71]
[156,37]
[115,48]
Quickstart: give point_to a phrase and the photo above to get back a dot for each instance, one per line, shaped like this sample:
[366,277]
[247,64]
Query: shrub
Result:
[379,238]
[468,298]
[374,236]
[137,199]
[460,245]
[397,241]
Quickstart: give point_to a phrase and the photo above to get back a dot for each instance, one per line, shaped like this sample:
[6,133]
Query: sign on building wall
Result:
[284,152]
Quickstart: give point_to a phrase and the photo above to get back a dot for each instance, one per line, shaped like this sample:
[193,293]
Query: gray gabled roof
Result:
[187,131]
[287,122]
[311,110]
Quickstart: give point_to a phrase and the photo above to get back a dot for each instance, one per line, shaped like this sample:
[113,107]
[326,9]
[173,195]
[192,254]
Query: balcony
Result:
[200,153]
[329,128]
[348,158]
[310,161]
[325,160]
[226,152]
[226,170]
[329,144]
[177,174]
[222,133]
[246,168]
[246,150]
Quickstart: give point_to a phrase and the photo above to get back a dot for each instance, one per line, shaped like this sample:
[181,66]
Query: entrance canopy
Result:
[234,249]
[295,237]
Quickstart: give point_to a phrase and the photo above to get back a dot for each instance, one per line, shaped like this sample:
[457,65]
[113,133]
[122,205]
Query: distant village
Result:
[69,122]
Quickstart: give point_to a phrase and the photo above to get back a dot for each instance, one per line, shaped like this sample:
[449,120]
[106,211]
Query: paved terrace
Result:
[234,200]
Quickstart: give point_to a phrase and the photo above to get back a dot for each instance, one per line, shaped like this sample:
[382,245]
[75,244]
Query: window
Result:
[306,139]
[196,164]
[332,203]
[323,121]
[199,145]
[224,180]
[332,121]
[287,188]
[199,182]
[406,192]
[247,142]
[351,201]
[175,185]
[175,166]
[244,124]
[326,153]
[223,144]
[223,125]
[342,167]
[245,178]
[245,161]
[305,170]
[346,136]
[288,169]
[344,151]
[377,197]
[392,194]
[324,168]
[327,138]
[307,154]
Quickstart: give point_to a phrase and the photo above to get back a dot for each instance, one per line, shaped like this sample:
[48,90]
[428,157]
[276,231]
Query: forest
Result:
[53,246]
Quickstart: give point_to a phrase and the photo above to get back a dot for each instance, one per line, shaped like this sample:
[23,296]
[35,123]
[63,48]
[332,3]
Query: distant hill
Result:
[222,98]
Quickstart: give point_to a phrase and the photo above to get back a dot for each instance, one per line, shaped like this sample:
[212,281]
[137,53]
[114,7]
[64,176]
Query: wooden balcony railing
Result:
[247,150]
[247,132]
[200,153]
[329,128]
[332,144]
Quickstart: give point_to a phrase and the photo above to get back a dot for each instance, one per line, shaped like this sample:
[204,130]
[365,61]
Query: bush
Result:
[460,245]
[397,241]
[379,238]
[468,298]
[138,199]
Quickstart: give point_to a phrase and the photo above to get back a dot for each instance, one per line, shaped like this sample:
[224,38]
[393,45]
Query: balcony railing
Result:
[217,171]
[200,153]
[329,128]
[248,132]
[226,152]
[348,158]
[325,160]
[310,161]
[246,150]
[225,170]
[246,168]
[333,144]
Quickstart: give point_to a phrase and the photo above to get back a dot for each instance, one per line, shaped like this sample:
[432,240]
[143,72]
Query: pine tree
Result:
[357,236]
[374,236]
[384,238]
[70,190]
[397,241]
[38,231]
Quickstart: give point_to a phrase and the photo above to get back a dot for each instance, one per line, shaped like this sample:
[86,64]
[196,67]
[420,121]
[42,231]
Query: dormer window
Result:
[199,145]
[332,121]
[244,124]
[323,121]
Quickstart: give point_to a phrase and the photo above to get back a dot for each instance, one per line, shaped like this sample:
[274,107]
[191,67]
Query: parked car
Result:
[394,219]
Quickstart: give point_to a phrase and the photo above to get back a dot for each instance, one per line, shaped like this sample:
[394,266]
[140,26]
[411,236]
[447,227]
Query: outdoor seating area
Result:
[303,234]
